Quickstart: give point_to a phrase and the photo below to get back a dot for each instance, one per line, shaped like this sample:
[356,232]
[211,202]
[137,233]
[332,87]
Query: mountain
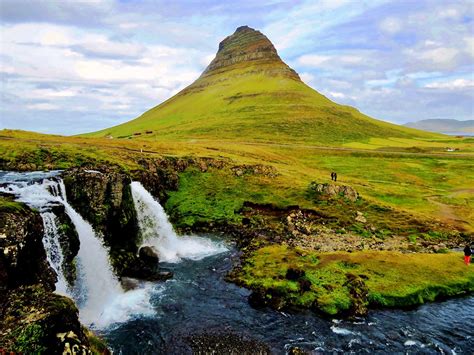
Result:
[247,93]
[444,126]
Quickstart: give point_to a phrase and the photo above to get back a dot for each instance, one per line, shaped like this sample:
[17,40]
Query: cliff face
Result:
[102,196]
[22,256]
[248,46]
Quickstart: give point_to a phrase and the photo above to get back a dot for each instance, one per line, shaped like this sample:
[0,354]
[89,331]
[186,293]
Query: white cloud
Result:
[313,60]
[391,25]
[43,106]
[452,84]
[337,95]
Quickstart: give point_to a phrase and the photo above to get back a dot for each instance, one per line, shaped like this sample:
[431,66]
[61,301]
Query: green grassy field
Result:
[431,184]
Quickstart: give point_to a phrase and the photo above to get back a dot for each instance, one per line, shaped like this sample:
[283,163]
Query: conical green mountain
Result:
[247,93]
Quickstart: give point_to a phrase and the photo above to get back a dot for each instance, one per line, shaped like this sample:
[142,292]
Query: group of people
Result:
[334,176]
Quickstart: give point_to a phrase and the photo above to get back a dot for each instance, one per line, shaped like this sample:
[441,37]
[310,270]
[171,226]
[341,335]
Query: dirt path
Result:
[448,214]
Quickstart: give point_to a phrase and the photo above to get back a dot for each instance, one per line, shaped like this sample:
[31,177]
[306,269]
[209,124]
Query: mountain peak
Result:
[246,46]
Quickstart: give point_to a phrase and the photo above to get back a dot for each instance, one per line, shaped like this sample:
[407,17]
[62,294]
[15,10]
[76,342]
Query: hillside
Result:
[444,126]
[247,93]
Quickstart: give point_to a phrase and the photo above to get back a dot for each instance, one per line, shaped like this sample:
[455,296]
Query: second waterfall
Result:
[158,232]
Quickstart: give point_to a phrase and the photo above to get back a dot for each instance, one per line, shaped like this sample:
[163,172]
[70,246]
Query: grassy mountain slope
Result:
[248,93]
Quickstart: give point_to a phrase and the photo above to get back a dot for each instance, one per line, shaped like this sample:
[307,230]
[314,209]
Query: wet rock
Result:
[102,195]
[137,268]
[22,255]
[359,295]
[272,298]
[148,255]
[129,283]
[294,350]
[69,242]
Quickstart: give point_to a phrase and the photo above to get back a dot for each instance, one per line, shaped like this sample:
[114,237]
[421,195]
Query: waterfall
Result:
[54,252]
[158,232]
[97,292]
[99,282]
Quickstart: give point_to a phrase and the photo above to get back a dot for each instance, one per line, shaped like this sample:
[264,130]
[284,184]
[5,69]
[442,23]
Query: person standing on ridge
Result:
[335,176]
[467,254]
[332,175]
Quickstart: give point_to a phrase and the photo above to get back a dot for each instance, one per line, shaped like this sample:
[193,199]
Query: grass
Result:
[392,279]
[401,180]
[8,205]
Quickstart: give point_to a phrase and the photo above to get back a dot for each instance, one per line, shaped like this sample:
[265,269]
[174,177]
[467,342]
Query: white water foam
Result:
[158,232]
[341,331]
[54,252]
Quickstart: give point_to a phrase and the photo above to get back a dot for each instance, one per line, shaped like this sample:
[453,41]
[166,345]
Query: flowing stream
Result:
[160,318]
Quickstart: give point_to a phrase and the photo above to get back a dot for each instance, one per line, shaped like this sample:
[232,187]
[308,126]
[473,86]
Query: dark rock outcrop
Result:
[22,255]
[101,194]
[145,267]
[69,241]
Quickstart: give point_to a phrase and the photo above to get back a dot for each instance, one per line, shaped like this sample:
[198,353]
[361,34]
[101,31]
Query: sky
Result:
[71,67]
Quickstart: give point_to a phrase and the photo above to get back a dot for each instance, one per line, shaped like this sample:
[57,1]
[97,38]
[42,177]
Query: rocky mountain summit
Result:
[248,47]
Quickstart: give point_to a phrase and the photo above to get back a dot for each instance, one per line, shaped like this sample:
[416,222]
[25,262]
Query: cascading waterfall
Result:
[54,252]
[100,298]
[99,282]
[158,232]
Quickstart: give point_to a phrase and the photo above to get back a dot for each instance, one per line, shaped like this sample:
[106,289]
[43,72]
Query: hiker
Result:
[332,175]
[467,254]
[335,176]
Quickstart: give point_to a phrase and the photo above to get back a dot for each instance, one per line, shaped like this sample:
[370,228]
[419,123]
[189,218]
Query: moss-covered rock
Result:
[38,321]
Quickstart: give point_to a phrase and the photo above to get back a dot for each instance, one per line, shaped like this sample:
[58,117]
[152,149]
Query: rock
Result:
[69,241]
[294,350]
[22,255]
[359,295]
[294,274]
[249,45]
[129,283]
[360,217]
[38,321]
[102,195]
[148,255]
[334,191]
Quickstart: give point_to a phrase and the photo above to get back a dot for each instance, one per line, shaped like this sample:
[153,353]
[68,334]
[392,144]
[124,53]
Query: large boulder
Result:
[37,321]
[334,191]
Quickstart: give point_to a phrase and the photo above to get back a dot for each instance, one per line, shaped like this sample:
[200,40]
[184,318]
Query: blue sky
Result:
[76,66]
